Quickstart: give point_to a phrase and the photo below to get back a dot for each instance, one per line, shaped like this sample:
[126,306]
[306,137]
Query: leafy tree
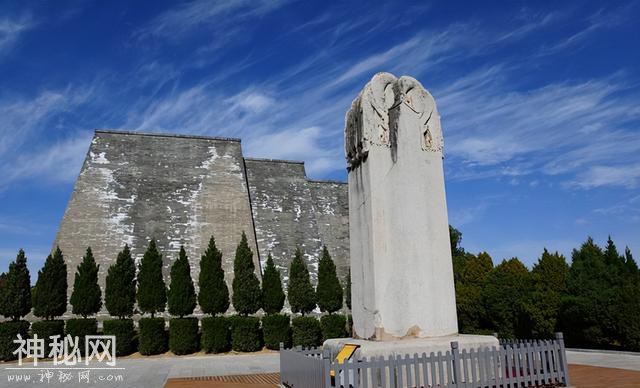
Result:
[329,290]
[86,297]
[302,297]
[549,277]
[120,290]
[246,286]
[214,293]
[272,293]
[584,316]
[458,254]
[152,293]
[50,292]
[505,294]
[472,315]
[182,295]
[347,289]
[15,295]
[629,305]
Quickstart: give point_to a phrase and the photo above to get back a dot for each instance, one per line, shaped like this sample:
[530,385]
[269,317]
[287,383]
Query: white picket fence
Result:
[525,363]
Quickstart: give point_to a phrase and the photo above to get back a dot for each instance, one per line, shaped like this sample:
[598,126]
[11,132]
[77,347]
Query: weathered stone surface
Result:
[176,189]
[412,346]
[402,276]
[292,211]
[182,189]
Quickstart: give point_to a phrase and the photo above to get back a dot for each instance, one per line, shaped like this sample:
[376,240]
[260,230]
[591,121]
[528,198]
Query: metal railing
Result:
[513,364]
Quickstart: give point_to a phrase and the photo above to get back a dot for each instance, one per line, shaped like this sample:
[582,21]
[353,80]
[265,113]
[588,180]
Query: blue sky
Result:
[540,105]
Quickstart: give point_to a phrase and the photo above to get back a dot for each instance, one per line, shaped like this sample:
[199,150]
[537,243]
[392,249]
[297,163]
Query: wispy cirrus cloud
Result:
[10,31]
[223,18]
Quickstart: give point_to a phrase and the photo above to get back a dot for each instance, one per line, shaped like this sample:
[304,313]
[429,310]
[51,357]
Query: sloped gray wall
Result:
[292,211]
[176,189]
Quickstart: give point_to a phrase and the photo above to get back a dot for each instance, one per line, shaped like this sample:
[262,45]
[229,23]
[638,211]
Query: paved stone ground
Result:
[148,372]
[586,376]
[620,360]
[153,372]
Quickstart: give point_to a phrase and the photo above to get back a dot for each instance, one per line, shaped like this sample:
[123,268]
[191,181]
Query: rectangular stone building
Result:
[183,189]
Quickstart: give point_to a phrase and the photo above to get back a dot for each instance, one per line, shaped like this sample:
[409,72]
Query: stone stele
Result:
[401,269]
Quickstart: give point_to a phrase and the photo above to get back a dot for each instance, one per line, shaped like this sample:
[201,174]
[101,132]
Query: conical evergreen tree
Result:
[16,293]
[120,291]
[329,291]
[152,293]
[247,296]
[50,292]
[302,296]
[549,277]
[214,293]
[272,293]
[86,296]
[182,295]
[347,290]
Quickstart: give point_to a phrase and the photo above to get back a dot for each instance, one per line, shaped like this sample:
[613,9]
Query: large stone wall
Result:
[182,189]
[292,211]
[176,189]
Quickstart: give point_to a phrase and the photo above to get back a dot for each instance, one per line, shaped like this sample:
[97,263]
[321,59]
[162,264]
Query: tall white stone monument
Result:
[401,268]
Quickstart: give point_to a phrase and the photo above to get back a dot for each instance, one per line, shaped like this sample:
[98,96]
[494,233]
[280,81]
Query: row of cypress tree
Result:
[125,286]
[594,299]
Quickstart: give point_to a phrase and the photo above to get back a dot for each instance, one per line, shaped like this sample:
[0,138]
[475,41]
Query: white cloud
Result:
[597,176]
[10,31]
[221,17]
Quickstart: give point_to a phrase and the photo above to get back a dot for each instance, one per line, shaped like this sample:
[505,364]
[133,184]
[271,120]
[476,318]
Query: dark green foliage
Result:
[457,252]
[349,325]
[333,326]
[505,295]
[276,329]
[9,332]
[584,310]
[81,328]
[120,290]
[347,290]
[214,293]
[152,337]
[469,284]
[125,334]
[329,291]
[549,278]
[247,296]
[152,293]
[302,297]
[46,329]
[628,305]
[15,292]
[86,297]
[272,293]
[50,292]
[216,334]
[183,335]
[306,331]
[246,335]
[182,295]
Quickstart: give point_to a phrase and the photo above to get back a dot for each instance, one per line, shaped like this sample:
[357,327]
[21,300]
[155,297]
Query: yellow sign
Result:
[345,354]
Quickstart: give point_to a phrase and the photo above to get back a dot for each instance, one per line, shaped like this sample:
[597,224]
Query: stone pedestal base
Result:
[410,346]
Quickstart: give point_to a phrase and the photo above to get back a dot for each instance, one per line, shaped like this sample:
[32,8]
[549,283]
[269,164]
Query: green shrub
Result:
[333,326]
[276,329]
[46,329]
[306,332]
[350,325]
[216,334]
[183,335]
[9,332]
[125,335]
[152,336]
[81,328]
[246,335]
